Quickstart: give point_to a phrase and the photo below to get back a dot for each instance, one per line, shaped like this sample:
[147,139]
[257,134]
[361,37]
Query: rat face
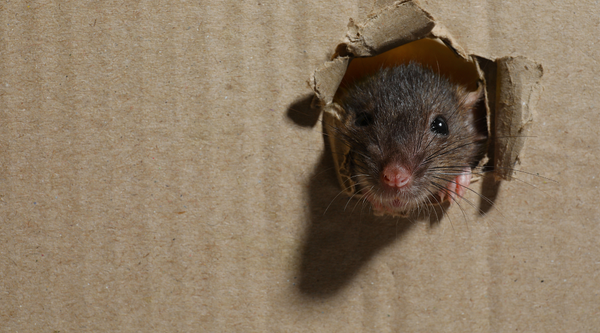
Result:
[412,138]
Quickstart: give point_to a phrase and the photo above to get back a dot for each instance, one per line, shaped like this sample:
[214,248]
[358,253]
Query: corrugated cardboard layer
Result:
[155,176]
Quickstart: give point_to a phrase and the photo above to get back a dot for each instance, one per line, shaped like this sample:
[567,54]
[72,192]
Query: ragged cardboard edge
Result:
[519,90]
[440,32]
[395,25]
[340,152]
[327,78]
[398,24]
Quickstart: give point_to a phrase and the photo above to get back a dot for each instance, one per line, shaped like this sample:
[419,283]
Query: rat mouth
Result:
[389,205]
[398,201]
[396,204]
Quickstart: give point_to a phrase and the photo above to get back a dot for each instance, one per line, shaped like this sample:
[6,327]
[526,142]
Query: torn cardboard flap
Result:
[400,23]
[339,151]
[326,80]
[519,90]
[397,26]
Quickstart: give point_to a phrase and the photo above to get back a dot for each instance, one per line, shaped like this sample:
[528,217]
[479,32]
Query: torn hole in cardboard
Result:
[403,33]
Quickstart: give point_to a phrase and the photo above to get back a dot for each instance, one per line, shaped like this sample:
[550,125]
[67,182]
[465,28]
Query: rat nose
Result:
[396,176]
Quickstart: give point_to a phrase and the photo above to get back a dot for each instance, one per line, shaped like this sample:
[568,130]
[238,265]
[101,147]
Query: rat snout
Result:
[396,176]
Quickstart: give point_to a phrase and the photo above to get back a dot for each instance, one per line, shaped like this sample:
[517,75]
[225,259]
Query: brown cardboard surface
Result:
[519,90]
[160,171]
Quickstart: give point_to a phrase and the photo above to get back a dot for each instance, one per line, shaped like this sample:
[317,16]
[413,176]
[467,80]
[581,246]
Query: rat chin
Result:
[394,205]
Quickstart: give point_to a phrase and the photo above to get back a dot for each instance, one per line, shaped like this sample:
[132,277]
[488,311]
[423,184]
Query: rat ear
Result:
[472,97]
[475,114]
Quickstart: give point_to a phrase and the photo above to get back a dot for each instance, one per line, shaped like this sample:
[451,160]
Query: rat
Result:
[413,138]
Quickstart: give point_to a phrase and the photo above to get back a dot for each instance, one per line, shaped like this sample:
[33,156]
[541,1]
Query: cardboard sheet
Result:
[162,170]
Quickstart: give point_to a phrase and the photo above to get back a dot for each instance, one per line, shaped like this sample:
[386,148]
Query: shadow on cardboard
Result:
[342,233]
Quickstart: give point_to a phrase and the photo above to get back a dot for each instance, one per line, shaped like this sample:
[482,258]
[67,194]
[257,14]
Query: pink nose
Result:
[396,176]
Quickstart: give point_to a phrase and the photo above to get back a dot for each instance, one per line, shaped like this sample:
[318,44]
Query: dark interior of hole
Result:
[428,52]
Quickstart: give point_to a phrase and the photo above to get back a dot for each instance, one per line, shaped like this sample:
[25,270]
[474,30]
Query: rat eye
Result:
[363,119]
[439,126]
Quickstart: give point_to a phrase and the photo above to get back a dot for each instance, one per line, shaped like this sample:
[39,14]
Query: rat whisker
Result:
[525,172]
[431,203]
[445,149]
[441,151]
[332,200]
[443,188]
[440,204]
[363,199]
[481,212]
[486,199]
[349,199]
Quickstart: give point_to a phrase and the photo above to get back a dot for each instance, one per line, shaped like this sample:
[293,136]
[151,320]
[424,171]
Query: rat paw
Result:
[457,188]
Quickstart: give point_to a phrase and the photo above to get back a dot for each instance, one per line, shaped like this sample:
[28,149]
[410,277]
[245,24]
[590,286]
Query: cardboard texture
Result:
[518,92]
[162,170]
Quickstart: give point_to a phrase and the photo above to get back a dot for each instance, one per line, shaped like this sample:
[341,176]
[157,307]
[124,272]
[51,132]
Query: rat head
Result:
[412,138]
